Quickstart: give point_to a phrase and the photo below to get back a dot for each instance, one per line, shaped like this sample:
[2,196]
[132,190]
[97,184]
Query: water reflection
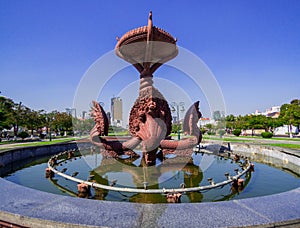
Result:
[170,173]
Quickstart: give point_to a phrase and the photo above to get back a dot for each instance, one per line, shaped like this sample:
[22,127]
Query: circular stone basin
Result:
[171,173]
[133,45]
[161,52]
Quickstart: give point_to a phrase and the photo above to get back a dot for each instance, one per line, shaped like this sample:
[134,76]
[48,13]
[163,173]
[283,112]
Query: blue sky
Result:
[251,47]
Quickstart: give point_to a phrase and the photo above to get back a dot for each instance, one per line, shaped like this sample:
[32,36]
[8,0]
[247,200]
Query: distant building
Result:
[273,112]
[203,121]
[71,111]
[116,111]
[84,114]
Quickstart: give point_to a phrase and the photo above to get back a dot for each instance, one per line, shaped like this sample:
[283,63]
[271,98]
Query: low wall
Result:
[33,208]
[19,154]
[278,157]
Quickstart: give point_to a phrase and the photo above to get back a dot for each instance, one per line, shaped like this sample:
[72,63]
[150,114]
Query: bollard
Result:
[174,197]
[53,161]
[241,182]
[49,173]
[236,158]
[251,167]
[84,190]
[70,154]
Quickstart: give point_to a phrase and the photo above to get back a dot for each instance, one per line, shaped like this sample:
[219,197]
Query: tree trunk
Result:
[16,129]
[290,131]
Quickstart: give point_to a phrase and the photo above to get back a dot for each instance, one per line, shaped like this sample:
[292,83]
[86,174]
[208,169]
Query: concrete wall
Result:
[278,157]
[19,154]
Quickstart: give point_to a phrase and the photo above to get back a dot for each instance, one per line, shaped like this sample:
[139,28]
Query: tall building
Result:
[116,111]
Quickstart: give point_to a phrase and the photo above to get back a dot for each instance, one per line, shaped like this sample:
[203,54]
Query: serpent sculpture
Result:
[150,120]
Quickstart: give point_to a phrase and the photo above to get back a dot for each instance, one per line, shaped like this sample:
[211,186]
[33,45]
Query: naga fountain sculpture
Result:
[150,120]
[150,125]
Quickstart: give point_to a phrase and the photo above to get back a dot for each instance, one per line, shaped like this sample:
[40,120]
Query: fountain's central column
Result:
[150,120]
[147,48]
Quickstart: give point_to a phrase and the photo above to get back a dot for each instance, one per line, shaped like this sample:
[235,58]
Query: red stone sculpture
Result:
[150,120]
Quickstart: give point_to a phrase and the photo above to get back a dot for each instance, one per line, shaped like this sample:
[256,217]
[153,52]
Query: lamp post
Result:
[176,108]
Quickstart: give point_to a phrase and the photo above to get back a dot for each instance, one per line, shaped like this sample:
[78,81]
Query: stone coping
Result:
[33,208]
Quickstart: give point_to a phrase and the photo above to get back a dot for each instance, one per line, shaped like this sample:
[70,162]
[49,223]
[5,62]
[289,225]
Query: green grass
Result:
[37,143]
[243,139]
[290,139]
[224,139]
[122,133]
[273,138]
[251,137]
[285,145]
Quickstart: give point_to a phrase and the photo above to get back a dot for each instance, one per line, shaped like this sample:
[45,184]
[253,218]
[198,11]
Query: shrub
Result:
[202,131]
[70,133]
[23,134]
[267,135]
[211,132]
[237,132]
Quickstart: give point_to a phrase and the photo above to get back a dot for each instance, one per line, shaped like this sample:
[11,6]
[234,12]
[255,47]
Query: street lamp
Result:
[177,107]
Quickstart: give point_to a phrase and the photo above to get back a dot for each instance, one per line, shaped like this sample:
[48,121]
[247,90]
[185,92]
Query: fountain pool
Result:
[173,172]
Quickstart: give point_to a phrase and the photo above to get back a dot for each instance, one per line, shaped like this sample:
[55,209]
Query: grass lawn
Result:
[285,145]
[273,138]
[255,140]
[12,144]
[225,139]
[123,133]
[249,138]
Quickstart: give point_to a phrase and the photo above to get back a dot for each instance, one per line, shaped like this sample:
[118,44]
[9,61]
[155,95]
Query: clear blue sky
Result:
[252,47]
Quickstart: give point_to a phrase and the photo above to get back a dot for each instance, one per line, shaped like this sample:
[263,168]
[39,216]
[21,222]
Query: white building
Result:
[273,112]
[116,111]
[285,129]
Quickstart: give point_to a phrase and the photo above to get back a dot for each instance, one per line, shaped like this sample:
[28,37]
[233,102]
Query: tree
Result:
[6,113]
[17,114]
[230,118]
[33,119]
[290,114]
[230,121]
[83,126]
[252,122]
[19,111]
[62,121]
[209,126]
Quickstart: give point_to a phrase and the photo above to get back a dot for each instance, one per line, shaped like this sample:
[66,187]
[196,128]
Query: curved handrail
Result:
[151,191]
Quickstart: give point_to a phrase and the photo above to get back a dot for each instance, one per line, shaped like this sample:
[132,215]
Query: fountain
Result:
[147,48]
[158,169]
